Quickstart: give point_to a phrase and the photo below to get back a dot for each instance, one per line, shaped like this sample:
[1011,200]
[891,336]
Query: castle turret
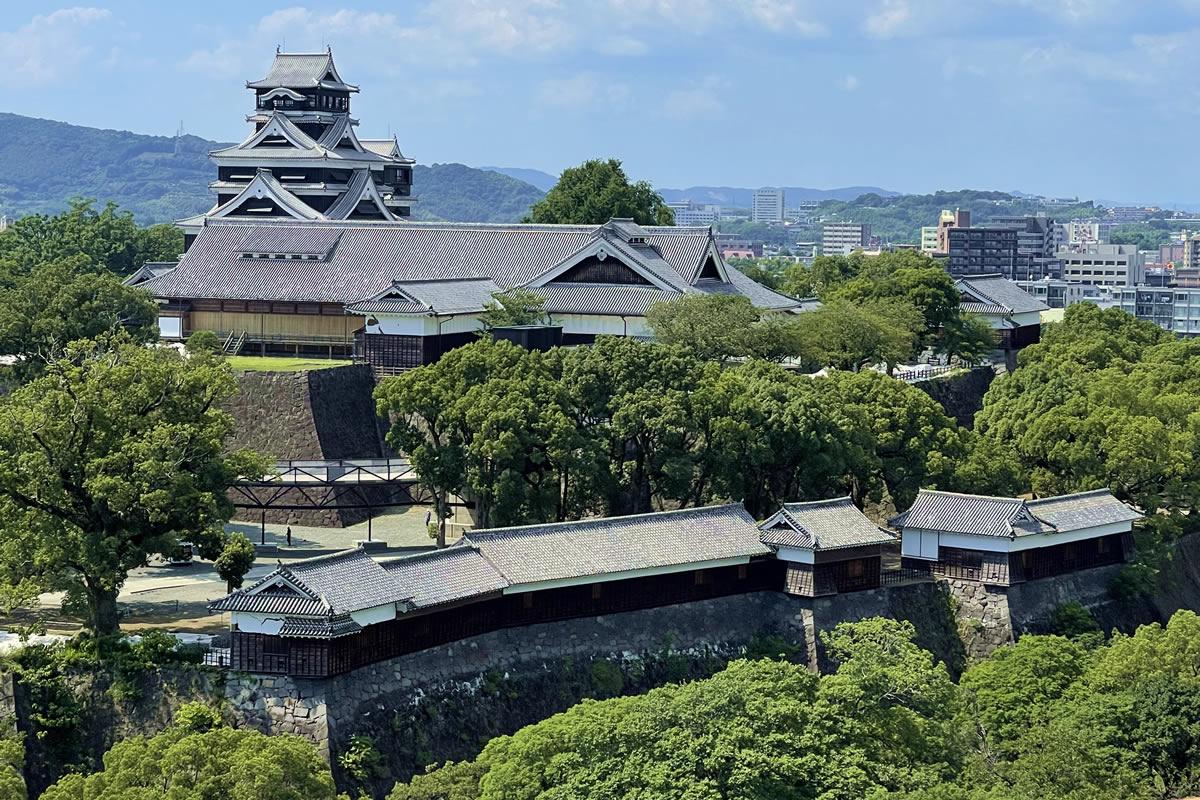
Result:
[303,159]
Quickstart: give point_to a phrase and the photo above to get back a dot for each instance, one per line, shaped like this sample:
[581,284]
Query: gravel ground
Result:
[175,598]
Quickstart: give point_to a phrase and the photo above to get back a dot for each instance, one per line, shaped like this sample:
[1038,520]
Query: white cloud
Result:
[580,91]
[888,19]
[623,46]
[849,83]
[51,46]
[782,16]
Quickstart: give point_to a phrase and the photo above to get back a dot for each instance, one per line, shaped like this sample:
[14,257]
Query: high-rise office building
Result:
[1038,243]
[767,205]
[948,220]
[1104,265]
[689,213]
[843,238]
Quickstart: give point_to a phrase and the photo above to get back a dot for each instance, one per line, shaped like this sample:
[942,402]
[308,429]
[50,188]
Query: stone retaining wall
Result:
[316,414]
[983,614]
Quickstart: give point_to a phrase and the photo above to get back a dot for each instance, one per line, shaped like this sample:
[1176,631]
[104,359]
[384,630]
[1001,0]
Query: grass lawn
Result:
[273,364]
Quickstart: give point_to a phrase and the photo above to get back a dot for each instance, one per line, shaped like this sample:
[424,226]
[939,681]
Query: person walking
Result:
[289,535]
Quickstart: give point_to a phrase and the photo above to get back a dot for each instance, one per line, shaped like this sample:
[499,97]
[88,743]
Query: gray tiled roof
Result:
[299,70]
[538,553]
[980,515]
[1084,510]
[1010,516]
[424,297]
[590,298]
[823,525]
[443,576]
[270,603]
[295,241]
[1002,292]
[336,584]
[984,308]
[325,628]
[370,257]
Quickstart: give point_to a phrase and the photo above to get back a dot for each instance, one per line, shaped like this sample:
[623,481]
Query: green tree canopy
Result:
[57,304]
[597,191]
[197,759]
[109,240]
[852,335]
[1105,400]
[114,454]
[235,560]
[926,286]
[713,326]
[518,306]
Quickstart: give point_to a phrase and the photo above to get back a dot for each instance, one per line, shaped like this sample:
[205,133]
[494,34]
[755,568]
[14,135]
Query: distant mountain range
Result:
[534,177]
[732,196]
[160,178]
[737,197]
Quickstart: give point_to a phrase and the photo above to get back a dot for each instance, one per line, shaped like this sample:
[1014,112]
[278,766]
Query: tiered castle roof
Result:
[303,159]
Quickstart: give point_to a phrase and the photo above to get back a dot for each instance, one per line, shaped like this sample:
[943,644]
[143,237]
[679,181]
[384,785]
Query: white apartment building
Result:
[1079,232]
[843,238]
[1104,265]
[929,239]
[688,213]
[767,205]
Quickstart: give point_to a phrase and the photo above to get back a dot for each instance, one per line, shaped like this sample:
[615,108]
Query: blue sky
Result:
[1099,98]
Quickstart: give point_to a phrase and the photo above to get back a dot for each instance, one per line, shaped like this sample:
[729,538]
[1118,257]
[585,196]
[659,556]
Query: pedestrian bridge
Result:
[336,472]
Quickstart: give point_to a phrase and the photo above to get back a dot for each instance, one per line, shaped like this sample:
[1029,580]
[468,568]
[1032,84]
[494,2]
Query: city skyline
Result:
[1078,97]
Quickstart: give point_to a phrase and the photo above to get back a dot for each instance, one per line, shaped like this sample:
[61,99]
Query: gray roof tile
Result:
[1083,510]
[823,525]
[325,628]
[537,553]
[951,512]
[329,585]
[1002,292]
[443,576]
[588,298]
[371,256]
[299,70]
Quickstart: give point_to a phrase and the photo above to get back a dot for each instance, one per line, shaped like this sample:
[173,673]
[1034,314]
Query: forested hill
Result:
[160,178]
[899,218]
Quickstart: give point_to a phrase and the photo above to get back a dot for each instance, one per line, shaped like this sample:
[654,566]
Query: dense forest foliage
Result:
[1051,718]
[162,178]
[900,218]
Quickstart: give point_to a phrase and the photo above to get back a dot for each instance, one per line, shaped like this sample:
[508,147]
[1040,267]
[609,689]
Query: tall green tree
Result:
[517,306]
[597,191]
[116,453]
[1105,400]
[912,443]
[57,304]
[926,287]
[776,437]
[713,326]
[200,759]
[850,336]
[108,239]
[641,400]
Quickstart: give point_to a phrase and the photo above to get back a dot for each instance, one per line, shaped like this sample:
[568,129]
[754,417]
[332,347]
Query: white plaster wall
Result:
[596,324]
[1048,540]
[256,623]
[916,543]
[170,327]
[925,544]
[795,554]
[372,616]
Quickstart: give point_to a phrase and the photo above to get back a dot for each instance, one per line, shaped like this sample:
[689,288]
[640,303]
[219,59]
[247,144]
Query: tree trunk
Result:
[440,507]
[102,608]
